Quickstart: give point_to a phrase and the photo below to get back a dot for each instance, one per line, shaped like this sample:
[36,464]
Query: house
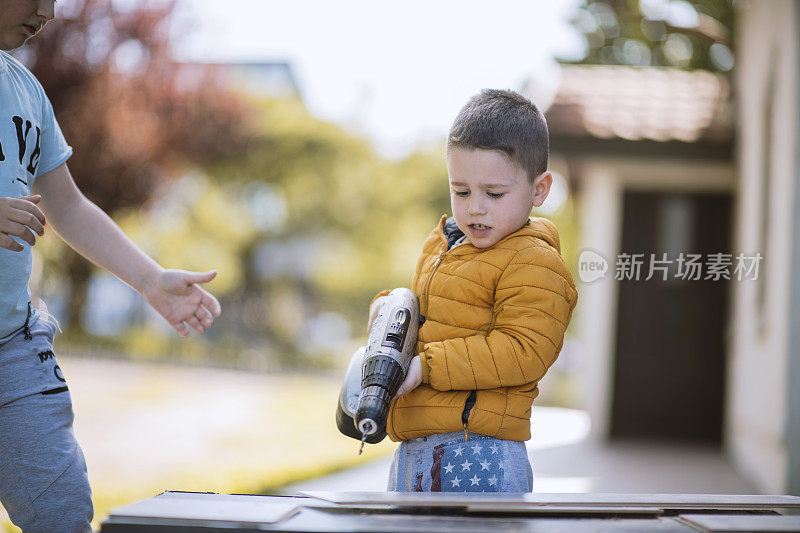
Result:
[649,154]
[762,414]
[691,329]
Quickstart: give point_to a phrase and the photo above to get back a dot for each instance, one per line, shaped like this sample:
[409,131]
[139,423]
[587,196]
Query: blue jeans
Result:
[445,463]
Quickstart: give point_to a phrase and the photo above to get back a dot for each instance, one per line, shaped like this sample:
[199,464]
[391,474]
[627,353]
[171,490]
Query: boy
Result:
[43,481]
[496,298]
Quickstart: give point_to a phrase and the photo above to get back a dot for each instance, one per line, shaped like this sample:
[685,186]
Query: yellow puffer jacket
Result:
[494,323]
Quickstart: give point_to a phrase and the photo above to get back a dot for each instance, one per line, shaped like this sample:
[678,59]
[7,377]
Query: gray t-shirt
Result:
[31,144]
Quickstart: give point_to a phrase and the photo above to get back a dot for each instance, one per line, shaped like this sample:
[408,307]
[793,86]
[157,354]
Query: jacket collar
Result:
[535,226]
[451,231]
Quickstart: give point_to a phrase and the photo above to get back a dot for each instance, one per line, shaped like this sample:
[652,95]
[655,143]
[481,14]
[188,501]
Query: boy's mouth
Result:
[479,227]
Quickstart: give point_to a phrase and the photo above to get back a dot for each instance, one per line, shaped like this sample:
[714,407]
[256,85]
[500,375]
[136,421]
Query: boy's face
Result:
[22,19]
[491,196]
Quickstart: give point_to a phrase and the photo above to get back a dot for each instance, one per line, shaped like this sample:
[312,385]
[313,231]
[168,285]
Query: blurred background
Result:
[298,148]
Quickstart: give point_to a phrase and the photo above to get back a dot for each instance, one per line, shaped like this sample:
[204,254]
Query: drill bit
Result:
[363,438]
[367,428]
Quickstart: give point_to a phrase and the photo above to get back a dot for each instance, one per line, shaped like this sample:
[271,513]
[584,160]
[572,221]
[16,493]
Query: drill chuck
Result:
[367,427]
[383,371]
[381,379]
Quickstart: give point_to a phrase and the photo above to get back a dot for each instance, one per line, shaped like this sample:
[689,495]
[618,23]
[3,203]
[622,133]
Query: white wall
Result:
[601,209]
[756,404]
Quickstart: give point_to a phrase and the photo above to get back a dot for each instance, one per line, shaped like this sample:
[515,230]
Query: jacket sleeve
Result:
[534,299]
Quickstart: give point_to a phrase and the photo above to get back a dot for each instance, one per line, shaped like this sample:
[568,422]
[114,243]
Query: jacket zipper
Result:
[427,296]
[436,267]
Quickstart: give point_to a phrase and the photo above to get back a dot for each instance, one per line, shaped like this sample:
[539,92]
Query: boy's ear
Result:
[541,188]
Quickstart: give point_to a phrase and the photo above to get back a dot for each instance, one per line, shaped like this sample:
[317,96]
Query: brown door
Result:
[670,353]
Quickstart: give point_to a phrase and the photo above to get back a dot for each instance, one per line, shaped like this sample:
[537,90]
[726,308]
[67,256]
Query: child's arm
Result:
[87,229]
[534,300]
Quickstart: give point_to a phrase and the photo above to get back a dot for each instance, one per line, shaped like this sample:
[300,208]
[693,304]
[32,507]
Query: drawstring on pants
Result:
[27,327]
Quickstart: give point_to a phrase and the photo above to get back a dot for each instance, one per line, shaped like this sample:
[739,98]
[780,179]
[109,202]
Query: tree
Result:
[676,33]
[130,118]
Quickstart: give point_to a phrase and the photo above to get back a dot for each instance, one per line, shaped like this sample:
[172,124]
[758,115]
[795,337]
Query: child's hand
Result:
[413,378]
[18,216]
[177,297]
[374,309]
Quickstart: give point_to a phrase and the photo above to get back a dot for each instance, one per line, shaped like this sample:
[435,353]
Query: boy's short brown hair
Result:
[506,121]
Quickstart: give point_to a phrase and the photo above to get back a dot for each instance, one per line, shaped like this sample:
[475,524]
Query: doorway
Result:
[669,370]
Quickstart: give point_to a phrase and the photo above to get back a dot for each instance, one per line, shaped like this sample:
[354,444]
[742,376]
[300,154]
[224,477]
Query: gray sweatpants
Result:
[43,481]
[444,462]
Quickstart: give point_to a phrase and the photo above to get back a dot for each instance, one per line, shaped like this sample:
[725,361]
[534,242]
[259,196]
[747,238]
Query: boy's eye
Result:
[496,194]
[461,193]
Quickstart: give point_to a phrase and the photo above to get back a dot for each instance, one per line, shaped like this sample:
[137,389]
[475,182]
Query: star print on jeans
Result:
[471,467]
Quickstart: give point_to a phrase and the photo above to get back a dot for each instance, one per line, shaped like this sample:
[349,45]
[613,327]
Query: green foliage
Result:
[676,33]
[362,217]
[304,228]
[198,226]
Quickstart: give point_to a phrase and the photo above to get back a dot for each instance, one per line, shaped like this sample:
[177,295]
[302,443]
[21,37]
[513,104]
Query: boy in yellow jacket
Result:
[496,298]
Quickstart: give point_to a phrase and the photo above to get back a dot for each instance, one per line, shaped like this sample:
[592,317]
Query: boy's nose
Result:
[476,207]
[46,9]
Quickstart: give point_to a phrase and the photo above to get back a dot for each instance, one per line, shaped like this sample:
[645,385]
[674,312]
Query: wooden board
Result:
[552,510]
[527,500]
[203,507]
[465,513]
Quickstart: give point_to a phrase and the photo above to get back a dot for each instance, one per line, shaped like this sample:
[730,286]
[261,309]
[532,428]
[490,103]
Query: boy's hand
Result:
[176,295]
[374,309]
[413,378]
[18,216]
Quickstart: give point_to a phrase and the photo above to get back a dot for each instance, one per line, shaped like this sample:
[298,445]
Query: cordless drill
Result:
[382,364]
